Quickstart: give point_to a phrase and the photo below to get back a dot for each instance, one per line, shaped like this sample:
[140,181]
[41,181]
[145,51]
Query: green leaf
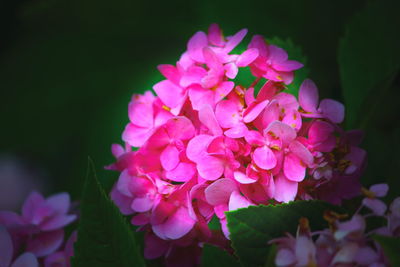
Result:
[251,228]
[213,256]
[104,236]
[294,53]
[369,59]
[391,248]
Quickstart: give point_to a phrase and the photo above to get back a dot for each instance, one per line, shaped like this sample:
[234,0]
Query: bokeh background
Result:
[69,68]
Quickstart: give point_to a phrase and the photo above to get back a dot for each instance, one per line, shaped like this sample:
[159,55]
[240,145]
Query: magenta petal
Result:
[207,117]
[218,192]
[227,113]
[195,46]
[136,136]
[288,65]
[281,130]
[179,224]
[6,247]
[254,138]
[380,190]
[59,202]
[237,132]
[215,35]
[169,157]
[293,168]
[223,90]
[247,57]
[376,205]
[231,70]
[124,183]
[210,168]
[237,201]
[277,54]
[197,147]
[301,152]
[254,110]
[200,97]
[235,40]
[285,190]
[170,72]
[264,158]
[243,178]
[308,96]
[271,113]
[33,201]
[170,94]
[319,131]
[26,260]
[332,110]
[57,222]
[121,201]
[142,204]
[45,243]
[154,247]
[249,96]
[182,173]
[141,114]
[193,75]
[180,128]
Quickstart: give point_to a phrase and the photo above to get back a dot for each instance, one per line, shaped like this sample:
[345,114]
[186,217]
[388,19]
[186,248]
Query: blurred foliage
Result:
[69,68]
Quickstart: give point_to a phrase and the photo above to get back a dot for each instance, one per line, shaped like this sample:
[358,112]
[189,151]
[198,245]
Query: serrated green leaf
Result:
[294,53]
[252,228]
[213,256]
[104,237]
[369,59]
[391,248]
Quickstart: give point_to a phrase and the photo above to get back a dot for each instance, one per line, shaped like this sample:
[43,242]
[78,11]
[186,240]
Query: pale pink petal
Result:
[227,113]
[366,256]
[197,147]
[243,178]
[237,201]
[210,168]
[346,254]
[308,96]
[195,46]
[170,94]
[135,136]
[215,35]
[285,190]
[219,191]
[26,260]
[200,97]
[231,70]
[254,110]
[121,201]
[207,117]
[305,250]
[237,131]
[380,190]
[293,168]
[254,138]
[182,173]
[185,61]
[376,205]
[124,183]
[285,257]
[332,110]
[6,247]
[235,40]
[223,90]
[142,204]
[117,150]
[179,224]
[247,57]
[45,243]
[212,60]
[281,130]
[264,158]
[301,152]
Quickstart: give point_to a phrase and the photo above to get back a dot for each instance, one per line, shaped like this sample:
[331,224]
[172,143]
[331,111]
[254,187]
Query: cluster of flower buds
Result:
[345,243]
[207,144]
[36,237]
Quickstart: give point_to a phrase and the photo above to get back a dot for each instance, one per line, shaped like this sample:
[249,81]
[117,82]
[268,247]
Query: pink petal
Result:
[301,152]
[200,97]
[124,183]
[197,147]
[293,118]
[235,40]
[305,250]
[237,132]
[380,190]
[154,247]
[195,46]
[170,72]
[179,224]
[247,57]
[210,168]
[287,101]
[223,90]
[237,201]
[170,94]
[271,113]
[6,247]
[319,131]
[285,257]
[180,128]
[193,75]
[215,35]
[293,168]
[121,201]
[182,173]
[140,219]
[141,114]
[219,191]
[254,110]
[207,117]
[267,91]
[264,158]
[243,178]
[33,201]
[308,96]
[227,113]
[249,96]
[136,136]
[59,202]
[258,42]
[376,205]
[288,65]
[332,110]
[277,54]
[57,222]
[281,130]
[254,138]
[26,260]
[142,204]
[231,70]
[285,190]
[45,243]
[117,150]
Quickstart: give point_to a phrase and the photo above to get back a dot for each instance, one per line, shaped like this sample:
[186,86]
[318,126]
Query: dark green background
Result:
[68,69]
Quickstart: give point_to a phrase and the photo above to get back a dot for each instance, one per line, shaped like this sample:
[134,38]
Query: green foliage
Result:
[213,256]
[104,237]
[295,53]
[391,248]
[253,227]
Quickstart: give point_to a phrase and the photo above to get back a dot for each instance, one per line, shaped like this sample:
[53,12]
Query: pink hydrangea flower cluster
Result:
[207,145]
[36,237]
[345,243]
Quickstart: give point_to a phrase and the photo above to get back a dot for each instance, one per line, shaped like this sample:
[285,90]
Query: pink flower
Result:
[376,205]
